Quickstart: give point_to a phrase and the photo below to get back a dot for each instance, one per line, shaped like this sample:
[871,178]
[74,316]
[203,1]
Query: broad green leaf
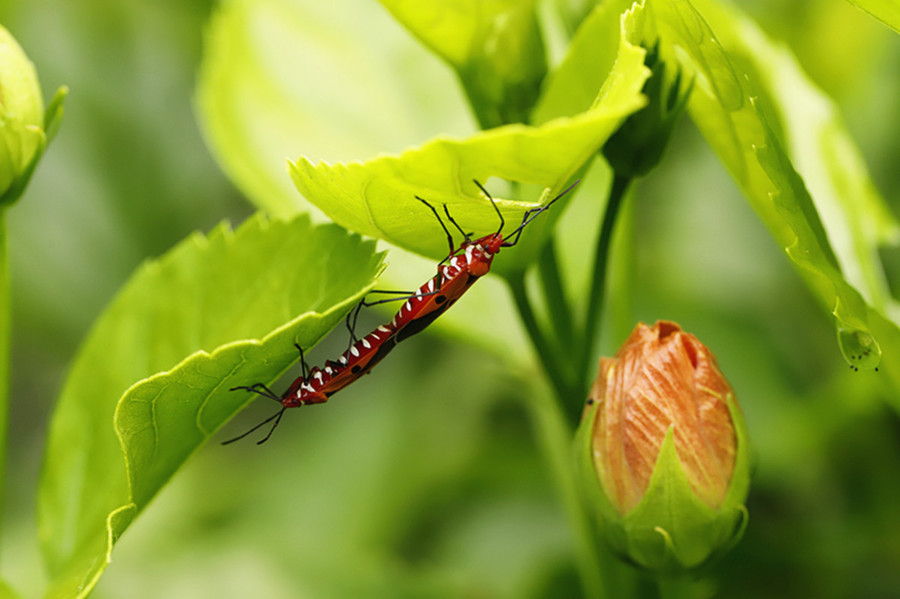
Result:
[725,105]
[6,592]
[495,48]
[853,213]
[339,81]
[886,11]
[377,197]
[215,312]
[257,107]
[572,87]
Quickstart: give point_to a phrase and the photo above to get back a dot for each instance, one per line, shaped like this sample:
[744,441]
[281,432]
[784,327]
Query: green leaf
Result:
[886,11]
[377,197]
[215,312]
[495,47]
[258,101]
[739,116]
[7,592]
[572,87]
[256,108]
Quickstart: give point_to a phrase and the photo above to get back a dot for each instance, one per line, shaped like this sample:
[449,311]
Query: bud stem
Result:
[549,358]
[5,309]
[617,192]
[677,587]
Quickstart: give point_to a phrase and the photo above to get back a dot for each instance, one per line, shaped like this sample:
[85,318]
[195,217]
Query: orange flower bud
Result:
[662,377]
[667,446]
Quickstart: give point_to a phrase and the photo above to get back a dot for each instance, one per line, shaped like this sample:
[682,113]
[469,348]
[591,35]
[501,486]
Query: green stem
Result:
[548,357]
[598,284]
[485,111]
[680,587]
[5,328]
[555,435]
[554,295]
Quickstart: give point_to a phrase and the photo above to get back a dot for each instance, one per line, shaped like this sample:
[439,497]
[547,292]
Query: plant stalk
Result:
[5,332]
[557,304]
[555,435]
[598,284]
[548,357]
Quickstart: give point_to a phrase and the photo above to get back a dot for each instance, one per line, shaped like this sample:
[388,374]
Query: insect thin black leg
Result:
[450,244]
[255,388]
[397,299]
[276,417]
[443,226]
[466,236]
[274,426]
[350,322]
[304,369]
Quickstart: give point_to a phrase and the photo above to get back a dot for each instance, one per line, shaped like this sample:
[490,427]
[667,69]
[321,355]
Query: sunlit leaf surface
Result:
[216,311]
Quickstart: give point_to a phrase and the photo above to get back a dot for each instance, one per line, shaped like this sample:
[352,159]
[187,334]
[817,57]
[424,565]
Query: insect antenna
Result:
[532,214]
[276,417]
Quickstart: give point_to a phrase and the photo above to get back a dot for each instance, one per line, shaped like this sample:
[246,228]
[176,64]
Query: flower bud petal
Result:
[25,128]
[638,145]
[667,450]
[21,111]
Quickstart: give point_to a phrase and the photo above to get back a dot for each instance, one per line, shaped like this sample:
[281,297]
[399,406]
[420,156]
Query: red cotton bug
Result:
[316,385]
[464,265]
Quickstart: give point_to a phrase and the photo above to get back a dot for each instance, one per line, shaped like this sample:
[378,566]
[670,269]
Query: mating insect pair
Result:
[464,265]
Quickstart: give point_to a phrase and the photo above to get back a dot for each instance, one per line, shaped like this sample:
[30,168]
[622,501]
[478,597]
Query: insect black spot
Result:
[440,299]
[590,402]
[356,369]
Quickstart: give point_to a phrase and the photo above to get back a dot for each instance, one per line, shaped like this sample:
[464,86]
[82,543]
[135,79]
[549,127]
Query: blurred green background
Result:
[414,484]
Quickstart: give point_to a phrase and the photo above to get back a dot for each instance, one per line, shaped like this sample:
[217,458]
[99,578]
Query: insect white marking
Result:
[366,343]
[430,285]
[318,376]
[383,329]
[354,351]
[328,370]
[469,254]
[343,359]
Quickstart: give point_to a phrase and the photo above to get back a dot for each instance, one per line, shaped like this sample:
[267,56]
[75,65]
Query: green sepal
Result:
[638,145]
[23,120]
[592,488]
[52,119]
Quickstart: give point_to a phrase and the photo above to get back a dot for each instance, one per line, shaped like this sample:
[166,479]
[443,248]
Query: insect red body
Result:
[443,290]
[319,384]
